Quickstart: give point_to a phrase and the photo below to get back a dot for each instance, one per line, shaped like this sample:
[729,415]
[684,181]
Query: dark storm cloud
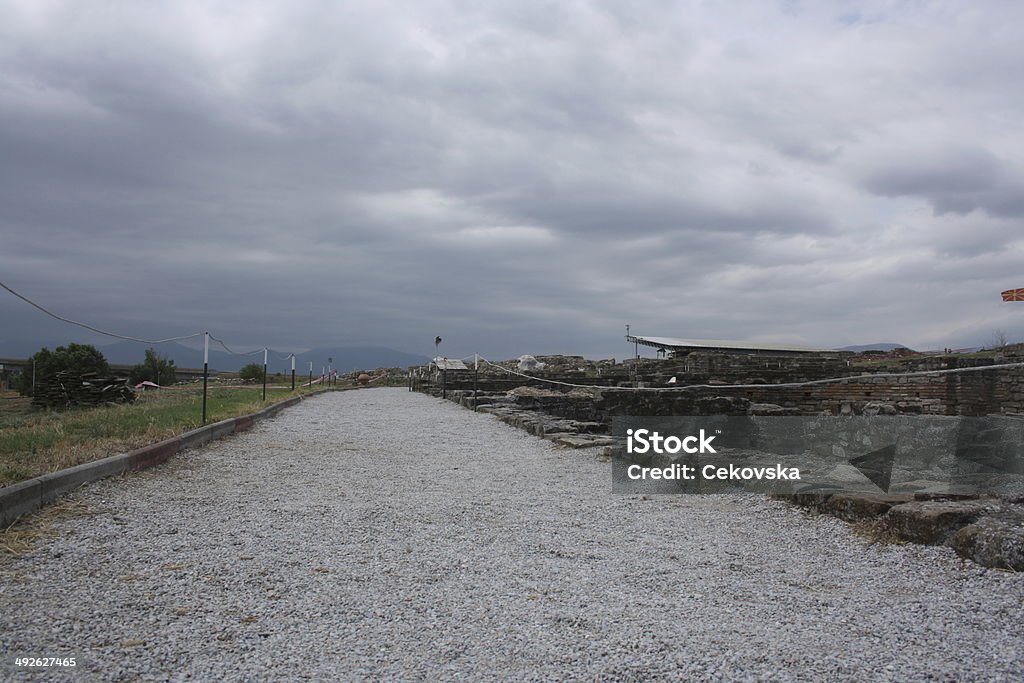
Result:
[519,177]
[954,181]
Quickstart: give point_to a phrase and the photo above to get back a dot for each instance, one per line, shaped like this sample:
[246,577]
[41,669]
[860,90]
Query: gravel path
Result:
[386,535]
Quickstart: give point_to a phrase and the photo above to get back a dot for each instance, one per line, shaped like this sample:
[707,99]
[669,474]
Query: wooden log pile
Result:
[70,389]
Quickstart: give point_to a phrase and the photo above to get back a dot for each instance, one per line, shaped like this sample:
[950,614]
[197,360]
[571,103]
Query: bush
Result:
[252,371]
[155,368]
[77,358]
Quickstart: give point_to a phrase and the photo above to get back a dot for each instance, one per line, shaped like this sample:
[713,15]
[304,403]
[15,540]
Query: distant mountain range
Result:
[345,358]
[882,346]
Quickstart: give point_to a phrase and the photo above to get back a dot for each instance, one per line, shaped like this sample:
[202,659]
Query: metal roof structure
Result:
[447,364]
[720,345]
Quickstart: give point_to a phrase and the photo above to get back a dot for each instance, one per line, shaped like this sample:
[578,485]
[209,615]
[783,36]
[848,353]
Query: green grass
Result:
[34,442]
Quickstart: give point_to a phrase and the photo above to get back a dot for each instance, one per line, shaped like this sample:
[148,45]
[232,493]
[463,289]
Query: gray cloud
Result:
[518,177]
[954,181]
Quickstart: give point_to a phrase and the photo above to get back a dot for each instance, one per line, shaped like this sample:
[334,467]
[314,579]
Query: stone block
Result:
[933,522]
[854,507]
[17,499]
[996,541]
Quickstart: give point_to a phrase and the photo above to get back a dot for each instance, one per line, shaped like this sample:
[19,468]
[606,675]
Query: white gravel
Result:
[380,534]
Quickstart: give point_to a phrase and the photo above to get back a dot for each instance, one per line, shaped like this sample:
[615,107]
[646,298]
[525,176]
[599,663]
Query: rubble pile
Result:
[70,389]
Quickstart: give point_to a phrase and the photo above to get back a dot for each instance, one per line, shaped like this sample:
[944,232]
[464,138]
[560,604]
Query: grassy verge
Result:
[35,442]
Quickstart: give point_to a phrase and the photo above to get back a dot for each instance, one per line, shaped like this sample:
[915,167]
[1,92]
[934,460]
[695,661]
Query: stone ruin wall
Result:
[696,368]
[988,392]
[977,392]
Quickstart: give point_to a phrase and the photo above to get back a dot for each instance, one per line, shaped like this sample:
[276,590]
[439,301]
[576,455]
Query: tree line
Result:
[83,359]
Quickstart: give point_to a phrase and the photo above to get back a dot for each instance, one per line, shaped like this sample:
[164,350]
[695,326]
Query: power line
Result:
[96,329]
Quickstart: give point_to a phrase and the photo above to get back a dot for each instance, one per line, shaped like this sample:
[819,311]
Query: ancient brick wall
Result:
[974,392]
[970,393]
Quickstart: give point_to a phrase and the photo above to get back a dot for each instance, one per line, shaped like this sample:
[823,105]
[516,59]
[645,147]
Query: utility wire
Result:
[96,329]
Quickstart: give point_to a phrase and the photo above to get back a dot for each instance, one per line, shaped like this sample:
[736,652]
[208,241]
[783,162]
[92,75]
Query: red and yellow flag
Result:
[1014,294]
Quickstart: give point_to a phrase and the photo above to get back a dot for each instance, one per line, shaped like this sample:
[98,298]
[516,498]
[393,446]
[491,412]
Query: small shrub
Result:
[252,371]
[75,358]
[155,368]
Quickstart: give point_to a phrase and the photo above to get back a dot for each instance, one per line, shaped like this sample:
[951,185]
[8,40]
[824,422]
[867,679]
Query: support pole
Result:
[264,373]
[444,383]
[206,369]
[293,372]
[310,374]
[636,363]
[476,372]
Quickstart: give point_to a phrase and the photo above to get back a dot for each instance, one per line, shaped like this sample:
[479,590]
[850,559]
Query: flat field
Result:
[34,442]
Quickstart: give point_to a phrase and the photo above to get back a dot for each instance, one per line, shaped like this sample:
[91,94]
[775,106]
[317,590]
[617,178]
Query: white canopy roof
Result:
[676,343]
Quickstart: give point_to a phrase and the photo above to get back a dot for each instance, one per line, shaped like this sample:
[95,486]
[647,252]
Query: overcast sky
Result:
[517,177]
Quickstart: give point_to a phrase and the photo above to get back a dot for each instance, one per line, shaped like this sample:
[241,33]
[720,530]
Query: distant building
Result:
[9,367]
[448,364]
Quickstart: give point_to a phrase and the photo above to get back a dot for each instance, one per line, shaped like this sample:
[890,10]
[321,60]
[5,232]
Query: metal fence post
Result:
[206,369]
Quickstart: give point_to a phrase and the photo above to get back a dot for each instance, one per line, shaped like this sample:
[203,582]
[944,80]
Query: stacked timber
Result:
[69,389]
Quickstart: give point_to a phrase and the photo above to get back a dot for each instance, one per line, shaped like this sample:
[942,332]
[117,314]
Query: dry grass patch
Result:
[34,442]
[877,532]
[28,531]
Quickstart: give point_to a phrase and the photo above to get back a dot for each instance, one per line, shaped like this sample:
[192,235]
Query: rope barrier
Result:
[539,379]
[96,329]
[125,337]
[233,352]
[831,380]
[206,346]
[588,387]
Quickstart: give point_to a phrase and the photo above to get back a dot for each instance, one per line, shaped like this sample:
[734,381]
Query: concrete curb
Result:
[31,494]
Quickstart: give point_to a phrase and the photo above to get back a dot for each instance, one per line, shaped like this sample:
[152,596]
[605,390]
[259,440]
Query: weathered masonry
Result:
[790,387]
